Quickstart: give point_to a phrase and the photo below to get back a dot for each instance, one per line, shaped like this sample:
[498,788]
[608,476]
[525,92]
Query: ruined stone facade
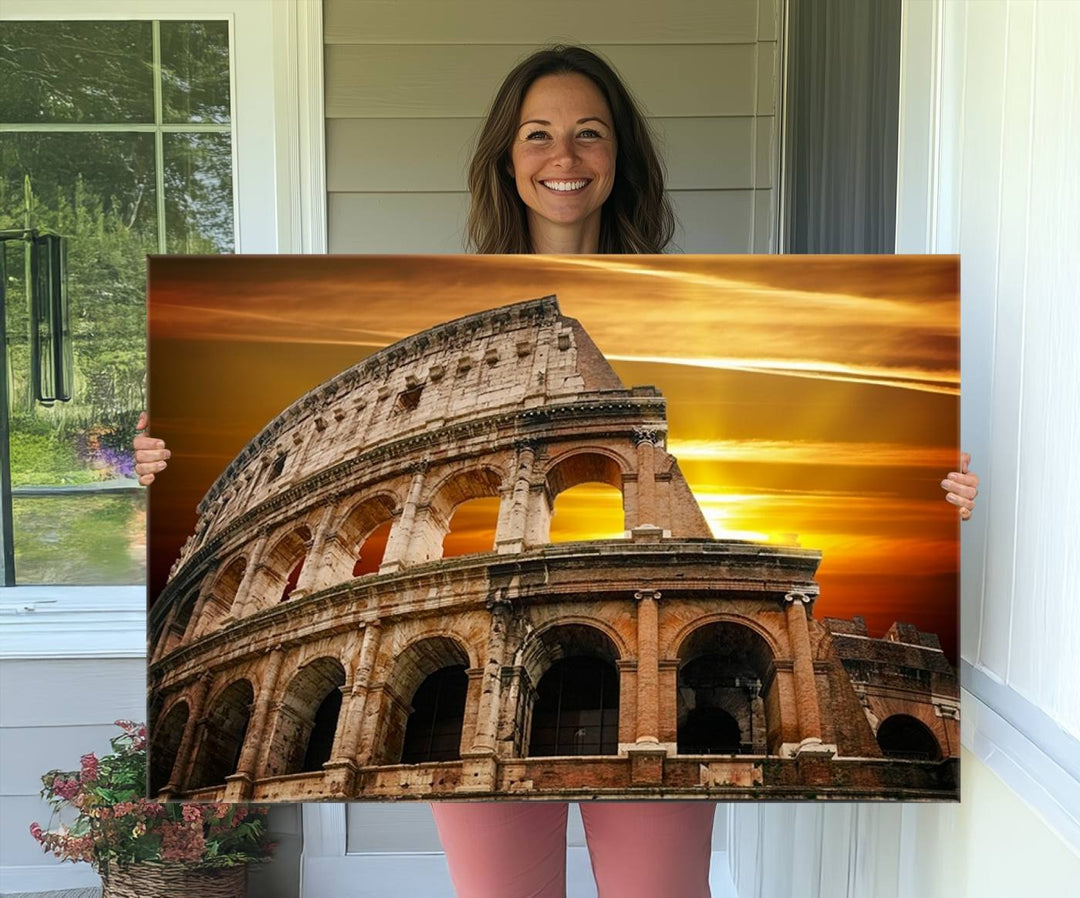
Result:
[286,665]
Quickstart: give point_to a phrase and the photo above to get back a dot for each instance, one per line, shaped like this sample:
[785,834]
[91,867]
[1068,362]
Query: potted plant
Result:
[142,847]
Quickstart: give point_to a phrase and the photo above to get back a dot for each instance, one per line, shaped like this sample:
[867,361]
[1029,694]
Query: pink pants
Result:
[518,849]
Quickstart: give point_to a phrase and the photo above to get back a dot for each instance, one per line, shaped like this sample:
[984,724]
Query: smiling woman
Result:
[562,117]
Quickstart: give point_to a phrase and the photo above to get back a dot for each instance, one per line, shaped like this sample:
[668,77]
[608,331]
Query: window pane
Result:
[195,71]
[98,191]
[76,72]
[198,193]
[81,539]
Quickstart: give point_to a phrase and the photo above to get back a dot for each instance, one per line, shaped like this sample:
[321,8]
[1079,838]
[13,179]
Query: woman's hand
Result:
[961,487]
[150,454]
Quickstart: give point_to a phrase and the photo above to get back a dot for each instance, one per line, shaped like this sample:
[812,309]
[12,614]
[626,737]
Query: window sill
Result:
[73,622]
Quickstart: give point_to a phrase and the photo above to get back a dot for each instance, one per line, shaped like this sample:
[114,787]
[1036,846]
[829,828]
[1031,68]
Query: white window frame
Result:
[280,207]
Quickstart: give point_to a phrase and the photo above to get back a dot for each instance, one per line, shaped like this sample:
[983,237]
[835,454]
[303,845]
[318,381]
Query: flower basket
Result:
[144,848]
[174,881]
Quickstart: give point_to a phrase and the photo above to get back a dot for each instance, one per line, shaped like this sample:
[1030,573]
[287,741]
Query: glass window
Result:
[116,135]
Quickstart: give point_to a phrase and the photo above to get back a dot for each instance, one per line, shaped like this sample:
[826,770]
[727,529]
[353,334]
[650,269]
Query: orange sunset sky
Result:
[810,398]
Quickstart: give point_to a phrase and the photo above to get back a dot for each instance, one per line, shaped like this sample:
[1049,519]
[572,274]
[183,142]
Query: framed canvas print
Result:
[547,527]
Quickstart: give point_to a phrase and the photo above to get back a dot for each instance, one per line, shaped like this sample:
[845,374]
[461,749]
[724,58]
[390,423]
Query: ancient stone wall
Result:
[287,662]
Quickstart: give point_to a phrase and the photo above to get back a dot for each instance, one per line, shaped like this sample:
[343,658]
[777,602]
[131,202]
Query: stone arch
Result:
[413,665]
[906,737]
[726,669]
[473,484]
[435,726]
[176,623]
[582,468]
[618,642]
[219,600]
[677,645]
[281,566]
[587,464]
[344,551]
[165,743]
[302,736]
[224,727]
[574,707]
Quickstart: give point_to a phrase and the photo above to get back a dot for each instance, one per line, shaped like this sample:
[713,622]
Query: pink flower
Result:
[65,788]
[150,808]
[192,813]
[36,832]
[181,842]
[89,767]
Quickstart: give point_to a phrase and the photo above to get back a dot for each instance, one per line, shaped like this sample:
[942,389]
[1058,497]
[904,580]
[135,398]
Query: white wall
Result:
[71,663]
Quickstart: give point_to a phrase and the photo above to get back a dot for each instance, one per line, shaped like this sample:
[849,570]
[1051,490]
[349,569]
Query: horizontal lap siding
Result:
[407,85]
[53,712]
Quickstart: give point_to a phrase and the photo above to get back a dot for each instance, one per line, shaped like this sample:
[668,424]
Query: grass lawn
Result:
[81,539]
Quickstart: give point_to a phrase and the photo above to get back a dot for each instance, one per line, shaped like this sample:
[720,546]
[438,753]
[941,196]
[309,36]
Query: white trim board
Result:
[1050,789]
[42,622]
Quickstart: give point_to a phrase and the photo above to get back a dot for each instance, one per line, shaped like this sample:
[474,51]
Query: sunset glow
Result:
[811,400]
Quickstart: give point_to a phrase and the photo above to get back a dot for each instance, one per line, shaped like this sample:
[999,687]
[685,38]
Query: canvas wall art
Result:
[546,527]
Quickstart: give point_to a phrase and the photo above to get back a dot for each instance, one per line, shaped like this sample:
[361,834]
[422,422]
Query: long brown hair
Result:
[637,216]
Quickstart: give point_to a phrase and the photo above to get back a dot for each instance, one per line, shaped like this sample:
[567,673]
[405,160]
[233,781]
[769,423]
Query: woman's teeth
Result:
[564,186]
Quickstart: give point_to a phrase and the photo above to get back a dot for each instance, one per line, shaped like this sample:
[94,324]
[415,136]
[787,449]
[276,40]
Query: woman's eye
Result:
[536,135]
[589,132]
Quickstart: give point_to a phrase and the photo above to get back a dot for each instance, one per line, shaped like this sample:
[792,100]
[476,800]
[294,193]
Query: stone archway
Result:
[906,737]
[303,734]
[412,669]
[167,735]
[348,554]
[574,708]
[219,600]
[475,494]
[224,727]
[434,729]
[579,472]
[281,568]
[726,692]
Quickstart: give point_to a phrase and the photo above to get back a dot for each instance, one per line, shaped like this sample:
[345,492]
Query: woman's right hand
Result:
[150,454]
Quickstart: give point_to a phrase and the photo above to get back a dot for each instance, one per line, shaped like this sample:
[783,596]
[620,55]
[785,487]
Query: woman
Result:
[565,164]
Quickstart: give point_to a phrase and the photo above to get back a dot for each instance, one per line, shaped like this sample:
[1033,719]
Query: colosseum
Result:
[291,660]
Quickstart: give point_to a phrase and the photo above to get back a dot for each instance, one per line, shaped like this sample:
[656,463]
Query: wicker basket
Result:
[174,881]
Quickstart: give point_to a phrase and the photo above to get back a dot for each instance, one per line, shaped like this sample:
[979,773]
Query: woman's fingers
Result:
[966,486]
[150,453]
[147,455]
[961,487]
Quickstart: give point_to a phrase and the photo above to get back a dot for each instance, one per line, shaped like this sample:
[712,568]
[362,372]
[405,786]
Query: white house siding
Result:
[408,83]
[53,712]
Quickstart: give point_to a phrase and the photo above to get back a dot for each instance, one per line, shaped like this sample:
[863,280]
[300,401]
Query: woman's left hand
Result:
[961,487]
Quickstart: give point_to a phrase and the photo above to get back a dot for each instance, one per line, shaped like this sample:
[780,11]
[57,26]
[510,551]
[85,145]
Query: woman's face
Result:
[563,154]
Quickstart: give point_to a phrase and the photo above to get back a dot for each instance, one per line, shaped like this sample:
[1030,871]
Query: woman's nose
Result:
[564,150]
